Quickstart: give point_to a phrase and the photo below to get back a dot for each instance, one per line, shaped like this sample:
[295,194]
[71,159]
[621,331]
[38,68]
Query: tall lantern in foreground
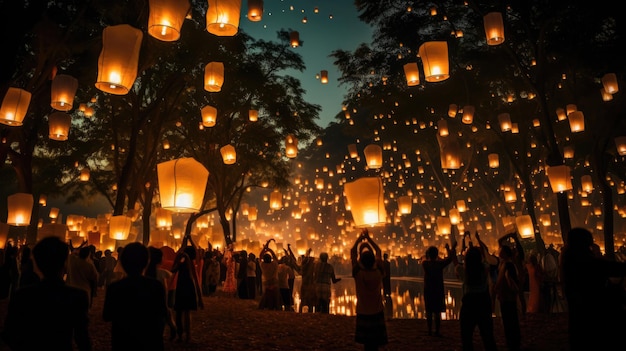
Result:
[14,106]
[412,74]
[166,18]
[560,178]
[213,77]
[434,56]
[494,28]
[62,92]
[373,156]
[117,64]
[182,184]
[59,126]
[20,206]
[222,17]
[229,155]
[366,199]
[255,10]
[119,227]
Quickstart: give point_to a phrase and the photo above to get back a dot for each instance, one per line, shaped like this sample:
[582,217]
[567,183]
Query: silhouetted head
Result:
[367,259]
[324,257]
[156,255]
[579,239]
[267,258]
[432,252]
[134,258]
[50,254]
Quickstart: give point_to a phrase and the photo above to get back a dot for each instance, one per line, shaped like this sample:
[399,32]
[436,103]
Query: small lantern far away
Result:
[222,17]
[84,175]
[586,183]
[14,106]
[373,156]
[412,74]
[442,126]
[182,184]
[494,28]
[117,64]
[468,114]
[461,206]
[276,200]
[291,146]
[620,145]
[494,160]
[524,225]
[366,199]
[294,39]
[255,10]
[560,178]
[213,77]
[324,77]
[166,18]
[576,121]
[229,155]
[453,109]
[504,119]
[405,204]
[62,92]
[209,116]
[609,82]
[20,207]
[253,115]
[59,126]
[352,151]
[434,56]
[119,227]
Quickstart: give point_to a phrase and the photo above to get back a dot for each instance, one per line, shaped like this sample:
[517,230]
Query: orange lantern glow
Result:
[163,218]
[255,10]
[460,205]
[166,18]
[213,76]
[587,183]
[209,116]
[324,76]
[352,151]
[253,115]
[4,234]
[373,156]
[494,160]
[252,213]
[117,64]
[59,126]
[291,146]
[505,121]
[494,28]
[14,106]
[452,110]
[62,92]
[434,56]
[294,39]
[20,207]
[609,82]
[84,175]
[442,126]
[444,226]
[468,114]
[119,227]
[366,199]
[229,155]
[276,200]
[620,145]
[524,226]
[576,121]
[449,152]
[222,17]
[455,216]
[405,204]
[182,184]
[412,74]
[560,178]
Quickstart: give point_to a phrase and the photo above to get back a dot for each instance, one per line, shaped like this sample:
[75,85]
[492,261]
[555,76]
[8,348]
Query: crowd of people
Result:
[149,290]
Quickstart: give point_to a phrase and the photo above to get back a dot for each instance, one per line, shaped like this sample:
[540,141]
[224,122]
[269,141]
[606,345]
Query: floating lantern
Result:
[609,82]
[620,145]
[460,205]
[444,226]
[276,200]
[166,18]
[252,213]
[182,184]
[291,146]
[468,114]
[59,126]
[442,126]
[163,218]
[294,39]
[494,28]
[452,110]
[353,152]
[524,226]
[560,114]
[576,121]
[587,183]
[117,64]
[505,121]
[434,56]
[255,10]
[14,106]
[373,156]
[253,115]
[119,227]
[20,207]
[449,152]
[405,204]
[209,116]
[366,199]
[559,177]
[324,76]
[62,92]
[213,76]
[222,17]
[84,175]
[412,74]
[455,216]
[229,155]
[494,160]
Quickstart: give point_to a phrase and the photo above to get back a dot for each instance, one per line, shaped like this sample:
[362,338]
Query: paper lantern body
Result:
[222,17]
[213,76]
[182,184]
[117,64]
[62,92]
[20,206]
[119,227]
[434,56]
[229,155]
[255,10]
[412,74]
[59,126]
[166,18]
[373,156]
[14,106]
[367,204]
[494,28]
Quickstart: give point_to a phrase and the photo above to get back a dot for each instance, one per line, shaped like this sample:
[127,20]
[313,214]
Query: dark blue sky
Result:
[334,26]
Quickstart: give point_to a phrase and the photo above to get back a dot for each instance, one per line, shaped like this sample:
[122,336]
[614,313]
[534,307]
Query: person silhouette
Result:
[434,293]
[135,305]
[48,315]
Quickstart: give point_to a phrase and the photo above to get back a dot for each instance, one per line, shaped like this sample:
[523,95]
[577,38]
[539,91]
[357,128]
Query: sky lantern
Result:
[59,126]
[209,116]
[252,213]
[504,119]
[62,92]
[444,226]
[163,218]
[560,114]
[587,183]
[449,152]
[412,74]
[253,115]
[352,151]
[559,177]
[84,175]
[367,203]
[229,155]
[294,39]
[468,114]
[222,17]
[453,109]
[213,77]
[460,205]
[455,216]
[166,18]
[494,28]
[524,225]
[434,56]
[20,207]
[119,227]
[576,121]
[324,76]
[276,200]
[373,156]
[405,204]
[182,184]
[494,160]
[255,10]
[442,126]
[117,64]
[291,146]
[609,83]
[14,106]
[620,145]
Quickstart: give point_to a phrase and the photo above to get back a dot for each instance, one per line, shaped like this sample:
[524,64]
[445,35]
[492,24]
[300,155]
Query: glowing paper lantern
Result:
[324,76]
[84,175]
[620,144]
[576,121]
[442,126]
[255,10]
[20,207]
[587,183]
[163,218]
[119,227]
[494,160]
[252,213]
[182,184]
[366,199]
[524,226]
[559,177]
[444,226]
[14,106]
[373,156]
[460,205]
[253,115]
[222,17]
[494,28]
[166,18]
[294,39]
[545,219]
[352,151]
[412,74]
[213,76]
[468,114]
[291,146]
[449,152]
[117,64]
[455,216]
[229,155]
[276,200]
[62,92]
[405,204]
[209,116]
[434,56]
[59,126]
[505,122]
[609,82]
